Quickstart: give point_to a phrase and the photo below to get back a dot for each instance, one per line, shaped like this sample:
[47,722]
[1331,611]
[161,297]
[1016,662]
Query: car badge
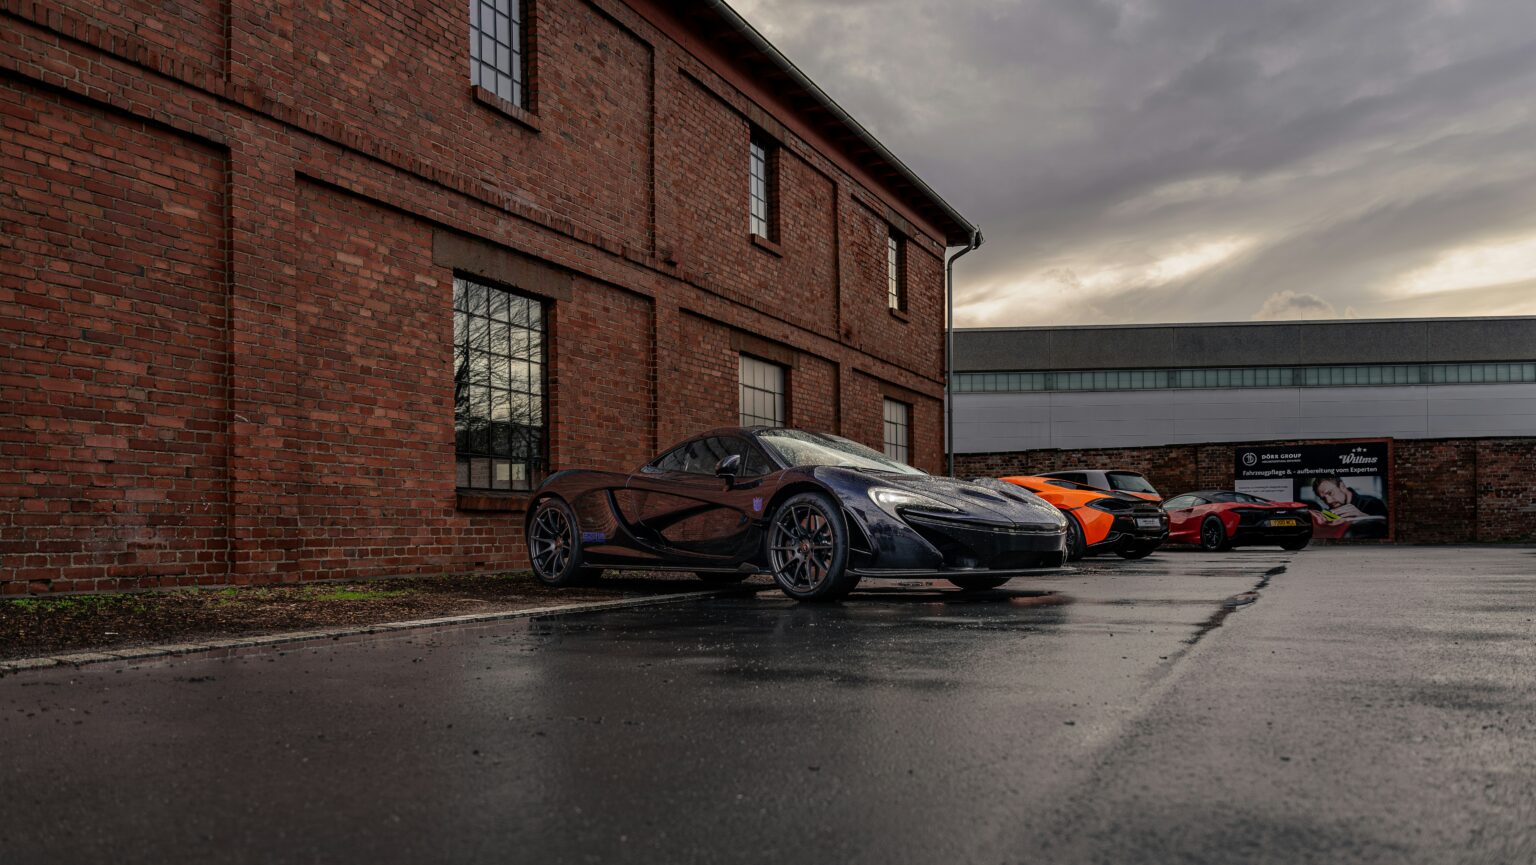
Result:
[757,504]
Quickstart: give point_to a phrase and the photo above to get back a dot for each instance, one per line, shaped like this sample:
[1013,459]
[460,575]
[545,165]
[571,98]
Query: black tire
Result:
[978,584]
[1294,544]
[807,549]
[1136,551]
[722,579]
[1077,542]
[1213,536]
[554,546]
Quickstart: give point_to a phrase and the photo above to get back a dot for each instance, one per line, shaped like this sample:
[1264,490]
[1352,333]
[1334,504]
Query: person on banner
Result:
[1360,514]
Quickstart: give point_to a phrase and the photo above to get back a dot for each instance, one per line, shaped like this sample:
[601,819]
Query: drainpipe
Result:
[949,350]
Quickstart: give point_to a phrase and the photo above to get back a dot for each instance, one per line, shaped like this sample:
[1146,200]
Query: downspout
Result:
[949,351]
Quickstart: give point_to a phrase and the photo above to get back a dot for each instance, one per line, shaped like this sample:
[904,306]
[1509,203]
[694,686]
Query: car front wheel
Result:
[1213,536]
[808,549]
[554,546]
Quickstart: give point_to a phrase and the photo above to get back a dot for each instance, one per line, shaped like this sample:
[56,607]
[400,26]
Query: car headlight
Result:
[890,498]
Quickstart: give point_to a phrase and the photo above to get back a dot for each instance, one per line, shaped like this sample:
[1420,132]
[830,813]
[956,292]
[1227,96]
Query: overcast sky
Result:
[1203,160]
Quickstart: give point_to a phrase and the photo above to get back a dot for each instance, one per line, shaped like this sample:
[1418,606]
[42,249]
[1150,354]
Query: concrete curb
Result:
[79,659]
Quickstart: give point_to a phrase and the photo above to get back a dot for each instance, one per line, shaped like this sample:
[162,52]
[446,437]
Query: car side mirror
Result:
[729,468]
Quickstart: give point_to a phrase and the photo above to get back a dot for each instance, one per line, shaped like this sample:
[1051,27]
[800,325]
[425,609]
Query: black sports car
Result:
[817,511]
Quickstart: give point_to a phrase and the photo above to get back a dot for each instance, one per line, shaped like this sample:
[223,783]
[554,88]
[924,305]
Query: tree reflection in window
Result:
[499,417]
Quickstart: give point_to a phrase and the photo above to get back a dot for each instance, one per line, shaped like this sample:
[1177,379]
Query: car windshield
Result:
[1131,483]
[1239,498]
[799,448]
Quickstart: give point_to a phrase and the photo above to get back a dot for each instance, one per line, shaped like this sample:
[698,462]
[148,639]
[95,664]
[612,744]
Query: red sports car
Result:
[1222,519]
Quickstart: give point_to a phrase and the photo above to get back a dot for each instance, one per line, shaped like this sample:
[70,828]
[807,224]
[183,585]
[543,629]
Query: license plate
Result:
[1282,523]
[1148,523]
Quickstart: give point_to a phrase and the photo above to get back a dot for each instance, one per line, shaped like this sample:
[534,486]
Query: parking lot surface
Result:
[1365,704]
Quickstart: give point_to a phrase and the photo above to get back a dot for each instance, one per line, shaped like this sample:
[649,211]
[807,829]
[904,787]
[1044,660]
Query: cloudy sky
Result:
[1204,160]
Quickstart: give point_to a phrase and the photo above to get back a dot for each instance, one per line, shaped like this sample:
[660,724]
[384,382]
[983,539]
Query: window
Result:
[496,48]
[895,272]
[898,431]
[702,456]
[762,392]
[1377,375]
[760,188]
[498,387]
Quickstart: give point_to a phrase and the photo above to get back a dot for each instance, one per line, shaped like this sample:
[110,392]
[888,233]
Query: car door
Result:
[678,505]
[1183,517]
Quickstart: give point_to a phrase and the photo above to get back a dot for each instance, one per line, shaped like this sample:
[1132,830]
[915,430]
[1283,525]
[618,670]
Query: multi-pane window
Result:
[1362,375]
[496,55]
[898,430]
[498,387]
[895,272]
[760,187]
[762,392]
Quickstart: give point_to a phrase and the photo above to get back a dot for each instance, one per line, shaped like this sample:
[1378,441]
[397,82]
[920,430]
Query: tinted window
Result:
[1178,502]
[1077,477]
[1129,482]
[701,456]
[1239,498]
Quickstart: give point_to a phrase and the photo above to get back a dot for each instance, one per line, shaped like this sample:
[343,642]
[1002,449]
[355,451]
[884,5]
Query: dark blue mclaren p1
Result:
[817,511]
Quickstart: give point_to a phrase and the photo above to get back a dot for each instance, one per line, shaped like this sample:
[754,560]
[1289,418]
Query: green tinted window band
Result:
[1365,375]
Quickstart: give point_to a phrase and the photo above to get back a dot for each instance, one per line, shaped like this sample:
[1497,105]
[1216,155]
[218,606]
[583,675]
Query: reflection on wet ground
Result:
[648,734]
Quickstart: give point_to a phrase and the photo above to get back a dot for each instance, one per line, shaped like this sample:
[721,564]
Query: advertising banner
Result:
[1344,484]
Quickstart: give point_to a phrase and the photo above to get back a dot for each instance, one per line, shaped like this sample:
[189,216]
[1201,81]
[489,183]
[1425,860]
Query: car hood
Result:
[1003,503]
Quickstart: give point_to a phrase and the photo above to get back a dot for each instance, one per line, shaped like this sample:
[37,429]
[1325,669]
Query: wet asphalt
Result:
[1362,705]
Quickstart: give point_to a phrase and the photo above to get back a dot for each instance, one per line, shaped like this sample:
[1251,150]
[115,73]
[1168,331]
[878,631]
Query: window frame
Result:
[485,74]
[535,327]
[905,427]
[762,174]
[782,395]
[895,270]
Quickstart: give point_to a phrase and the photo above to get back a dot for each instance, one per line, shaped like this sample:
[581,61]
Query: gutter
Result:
[744,29]
[949,351]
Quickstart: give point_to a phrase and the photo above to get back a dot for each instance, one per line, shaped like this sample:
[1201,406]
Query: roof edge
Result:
[745,29]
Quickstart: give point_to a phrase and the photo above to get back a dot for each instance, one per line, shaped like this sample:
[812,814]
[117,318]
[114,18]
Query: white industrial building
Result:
[1031,388]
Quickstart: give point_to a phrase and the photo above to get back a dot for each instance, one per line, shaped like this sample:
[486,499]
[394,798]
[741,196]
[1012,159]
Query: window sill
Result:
[486,500]
[900,314]
[767,245]
[501,106]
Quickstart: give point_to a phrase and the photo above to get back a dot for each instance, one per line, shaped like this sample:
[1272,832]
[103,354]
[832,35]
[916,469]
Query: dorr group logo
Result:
[1250,459]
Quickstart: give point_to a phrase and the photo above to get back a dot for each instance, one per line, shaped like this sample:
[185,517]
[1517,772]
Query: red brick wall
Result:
[1443,490]
[226,336]
[113,348]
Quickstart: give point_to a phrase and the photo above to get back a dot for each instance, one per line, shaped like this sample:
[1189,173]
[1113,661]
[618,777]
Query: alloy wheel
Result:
[802,547]
[550,542]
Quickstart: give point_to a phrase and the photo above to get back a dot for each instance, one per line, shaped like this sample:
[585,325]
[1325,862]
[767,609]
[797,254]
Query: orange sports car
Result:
[1100,521]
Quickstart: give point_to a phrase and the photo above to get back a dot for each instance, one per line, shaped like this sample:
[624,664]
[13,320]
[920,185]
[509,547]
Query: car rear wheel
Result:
[808,549]
[554,546]
[1077,543]
[1294,544]
[1138,551]
[978,584]
[1213,535]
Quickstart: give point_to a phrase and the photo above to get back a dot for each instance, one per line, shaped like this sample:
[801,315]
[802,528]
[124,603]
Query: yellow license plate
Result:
[1283,523]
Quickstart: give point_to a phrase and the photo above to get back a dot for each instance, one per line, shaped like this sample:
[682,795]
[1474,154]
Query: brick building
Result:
[296,291]
[1456,397]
